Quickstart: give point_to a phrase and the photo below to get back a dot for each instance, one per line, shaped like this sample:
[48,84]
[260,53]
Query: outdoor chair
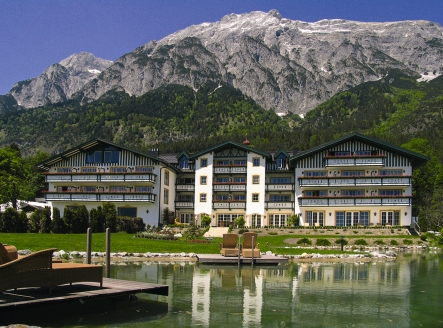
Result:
[39,270]
[229,245]
[249,248]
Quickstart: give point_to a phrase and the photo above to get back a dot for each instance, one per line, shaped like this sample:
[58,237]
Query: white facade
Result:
[137,184]
[355,180]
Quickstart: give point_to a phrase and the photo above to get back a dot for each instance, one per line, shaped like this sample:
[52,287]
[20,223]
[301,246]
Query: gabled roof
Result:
[281,151]
[183,153]
[230,144]
[45,165]
[416,158]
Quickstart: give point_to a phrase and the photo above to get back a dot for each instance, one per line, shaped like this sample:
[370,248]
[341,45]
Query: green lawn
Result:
[122,242]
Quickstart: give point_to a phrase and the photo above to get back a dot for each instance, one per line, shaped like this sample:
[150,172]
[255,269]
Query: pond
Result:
[403,293]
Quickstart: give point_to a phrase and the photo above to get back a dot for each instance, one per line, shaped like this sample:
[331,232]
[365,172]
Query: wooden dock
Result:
[23,298]
[262,260]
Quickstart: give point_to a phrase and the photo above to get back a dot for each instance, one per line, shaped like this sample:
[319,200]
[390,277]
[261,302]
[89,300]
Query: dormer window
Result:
[184,163]
[107,154]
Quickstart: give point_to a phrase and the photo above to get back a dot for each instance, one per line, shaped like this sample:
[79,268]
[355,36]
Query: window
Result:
[315,193]
[167,178]
[256,220]
[88,169]
[63,170]
[352,173]
[315,173]
[186,198]
[352,218]
[390,193]
[352,193]
[222,163]
[184,163]
[255,197]
[256,161]
[186,181]
[390,217]
[166,196]
[315,217]
[255,179]
[203,179]
[240,162]
[280,198]
[240,180]
[202,198]
[281,180]
[117,189]
[204,162]
[108,155]
[143,169]
[185,217]
[391,172]
[143,189]
[127,211]
[118,169]
[278,220]
[222,180]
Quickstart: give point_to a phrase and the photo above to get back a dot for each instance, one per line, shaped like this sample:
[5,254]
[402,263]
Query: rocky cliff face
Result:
[59,81]
[282,64]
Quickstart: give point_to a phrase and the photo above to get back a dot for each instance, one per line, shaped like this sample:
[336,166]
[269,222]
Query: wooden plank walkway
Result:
[219,259]
[31,297]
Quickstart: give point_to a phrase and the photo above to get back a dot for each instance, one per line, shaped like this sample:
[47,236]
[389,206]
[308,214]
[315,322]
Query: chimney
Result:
[153,152]
[294,151]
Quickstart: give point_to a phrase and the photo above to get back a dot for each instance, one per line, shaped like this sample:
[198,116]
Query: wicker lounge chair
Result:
[33,270]
[229,245]
[38,270]
[249,248]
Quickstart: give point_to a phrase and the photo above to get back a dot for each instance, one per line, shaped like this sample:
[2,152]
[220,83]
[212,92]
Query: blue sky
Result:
[36,34]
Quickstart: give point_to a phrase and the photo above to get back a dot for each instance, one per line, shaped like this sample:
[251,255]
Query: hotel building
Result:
[354,180]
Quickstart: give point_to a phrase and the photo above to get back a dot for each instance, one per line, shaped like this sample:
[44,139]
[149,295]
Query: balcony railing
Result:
[230,169]
[185,187]
[355,161]
[355,201]
[354,181]
[229,186]
[100,197]
[279,187]
[184,204]
[228,204]
[279,205]
[274,167]
[100,177]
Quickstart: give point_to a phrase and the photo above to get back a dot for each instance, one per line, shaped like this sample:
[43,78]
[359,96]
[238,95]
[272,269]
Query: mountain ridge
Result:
[285,65]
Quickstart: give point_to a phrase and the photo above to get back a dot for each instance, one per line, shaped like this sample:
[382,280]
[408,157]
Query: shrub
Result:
[368,233]
[304,241]
[394,242]
[97,223]
[240,221]
[272,233]
[338,241]
[241,231]
[407,242]
[423,237]
[322,242]
[355,231]
[110,216]
[379,242]
[361,242]
[206,220]
[130,225]
[22,222]
[8,220]
[45,221]
[57,224]
[34,221]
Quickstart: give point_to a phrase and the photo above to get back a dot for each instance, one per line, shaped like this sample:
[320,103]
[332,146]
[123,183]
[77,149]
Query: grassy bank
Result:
[122,242]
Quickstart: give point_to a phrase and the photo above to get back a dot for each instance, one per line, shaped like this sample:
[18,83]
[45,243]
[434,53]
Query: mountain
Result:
[285,65]
[56,84]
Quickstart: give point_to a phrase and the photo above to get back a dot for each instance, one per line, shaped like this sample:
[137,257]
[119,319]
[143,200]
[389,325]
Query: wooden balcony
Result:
[333,161]
[183,204]
[101,177]
[355,201]
[354,181]
[228,204]
[229,186]
[279,187]
[184,187]
[279,205]
[100,196]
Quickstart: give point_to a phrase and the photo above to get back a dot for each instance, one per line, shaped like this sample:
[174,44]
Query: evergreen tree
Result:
[58,224]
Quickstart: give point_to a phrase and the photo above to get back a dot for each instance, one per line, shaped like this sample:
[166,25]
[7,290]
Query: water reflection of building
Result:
[301,293]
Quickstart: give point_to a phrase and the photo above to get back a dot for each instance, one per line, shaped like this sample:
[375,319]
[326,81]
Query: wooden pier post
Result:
[108,253]
[88,245]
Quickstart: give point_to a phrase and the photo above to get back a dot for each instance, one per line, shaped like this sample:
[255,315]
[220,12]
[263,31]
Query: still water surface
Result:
[404,293]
